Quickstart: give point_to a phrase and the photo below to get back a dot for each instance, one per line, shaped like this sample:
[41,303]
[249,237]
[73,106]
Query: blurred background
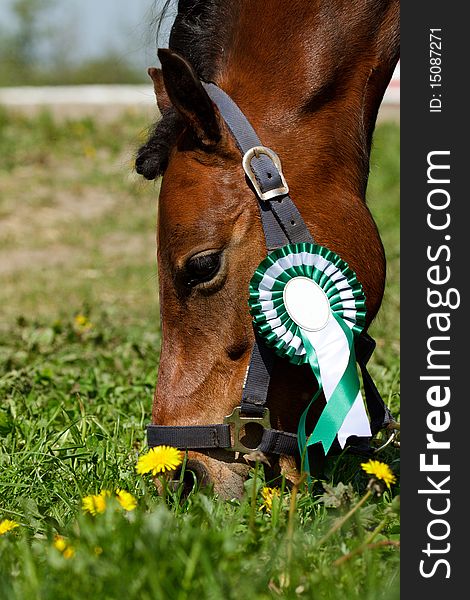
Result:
[51,42]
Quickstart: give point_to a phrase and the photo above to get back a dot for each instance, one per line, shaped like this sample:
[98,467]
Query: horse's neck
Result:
[310,76]
[327,134]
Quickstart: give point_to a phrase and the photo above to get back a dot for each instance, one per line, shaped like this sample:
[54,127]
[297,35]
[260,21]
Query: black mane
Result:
[198,34]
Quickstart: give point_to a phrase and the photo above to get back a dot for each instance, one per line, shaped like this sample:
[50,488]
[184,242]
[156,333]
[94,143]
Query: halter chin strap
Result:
[282,224]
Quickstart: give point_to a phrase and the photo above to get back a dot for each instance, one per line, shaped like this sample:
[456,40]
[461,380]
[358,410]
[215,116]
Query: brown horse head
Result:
[309,76]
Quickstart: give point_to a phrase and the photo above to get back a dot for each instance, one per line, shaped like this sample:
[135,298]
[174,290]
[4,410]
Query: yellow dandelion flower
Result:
[80,320]
[62,545]
[98,550]
[268,494]
[95,504]
[159,460]
[6,525]
[69,552]
[379,470]
[82,323]
[126,500]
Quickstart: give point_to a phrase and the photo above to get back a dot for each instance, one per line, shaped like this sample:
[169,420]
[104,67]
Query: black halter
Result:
[282,224]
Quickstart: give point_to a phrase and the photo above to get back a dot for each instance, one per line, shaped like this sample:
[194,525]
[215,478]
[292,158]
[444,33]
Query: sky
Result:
[88,28]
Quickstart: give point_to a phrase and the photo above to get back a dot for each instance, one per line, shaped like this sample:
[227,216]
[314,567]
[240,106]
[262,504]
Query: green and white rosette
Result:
[308,305]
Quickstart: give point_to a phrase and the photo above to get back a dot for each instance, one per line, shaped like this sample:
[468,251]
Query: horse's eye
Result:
[202,268]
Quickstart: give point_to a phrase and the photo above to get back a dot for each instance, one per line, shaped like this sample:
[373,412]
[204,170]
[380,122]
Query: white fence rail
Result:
[121,95]
[116,96]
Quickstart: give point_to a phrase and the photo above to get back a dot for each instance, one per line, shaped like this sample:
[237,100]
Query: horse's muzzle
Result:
[203,471]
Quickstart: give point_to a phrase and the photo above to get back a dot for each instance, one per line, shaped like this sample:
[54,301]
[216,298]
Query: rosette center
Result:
[306,303]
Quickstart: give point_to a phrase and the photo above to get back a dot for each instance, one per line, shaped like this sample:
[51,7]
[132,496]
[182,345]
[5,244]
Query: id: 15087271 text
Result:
[435,70]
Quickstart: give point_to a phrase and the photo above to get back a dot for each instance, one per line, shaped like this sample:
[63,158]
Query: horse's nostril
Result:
[194,475]
[187,480]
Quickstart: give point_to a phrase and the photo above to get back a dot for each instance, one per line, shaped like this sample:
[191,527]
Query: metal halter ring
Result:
[238,422]
[246,162]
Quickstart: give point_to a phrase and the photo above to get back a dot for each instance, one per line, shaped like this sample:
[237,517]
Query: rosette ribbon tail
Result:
[331,355]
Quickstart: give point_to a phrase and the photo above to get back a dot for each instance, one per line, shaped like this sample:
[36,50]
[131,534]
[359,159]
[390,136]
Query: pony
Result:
[310,76]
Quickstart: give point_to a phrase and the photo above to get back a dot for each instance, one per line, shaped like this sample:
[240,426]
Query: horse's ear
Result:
[163,102]
[189,97]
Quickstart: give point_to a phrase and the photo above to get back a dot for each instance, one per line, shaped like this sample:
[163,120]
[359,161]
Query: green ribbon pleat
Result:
[341,400]
[302,429]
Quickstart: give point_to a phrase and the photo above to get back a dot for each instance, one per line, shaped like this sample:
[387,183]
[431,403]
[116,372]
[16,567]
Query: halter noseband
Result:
[282,224]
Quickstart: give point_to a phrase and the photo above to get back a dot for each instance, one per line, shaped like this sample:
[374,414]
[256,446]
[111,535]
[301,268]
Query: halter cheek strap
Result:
[282,224]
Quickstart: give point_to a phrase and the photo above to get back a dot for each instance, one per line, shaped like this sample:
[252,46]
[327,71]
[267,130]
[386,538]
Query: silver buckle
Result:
[239,422]
[246,162]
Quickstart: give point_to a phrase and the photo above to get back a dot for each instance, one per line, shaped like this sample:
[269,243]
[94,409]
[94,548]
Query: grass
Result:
[77,240]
